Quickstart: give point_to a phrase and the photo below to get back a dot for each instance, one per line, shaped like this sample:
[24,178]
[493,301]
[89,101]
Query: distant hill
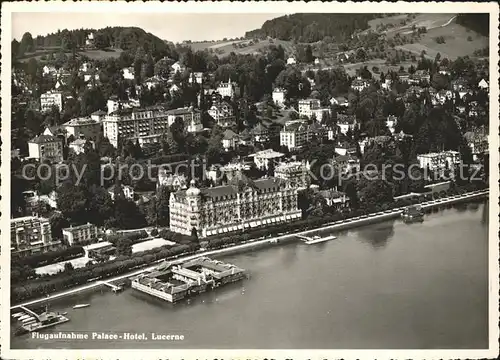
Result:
[480,23]
[123,38]
[309,28]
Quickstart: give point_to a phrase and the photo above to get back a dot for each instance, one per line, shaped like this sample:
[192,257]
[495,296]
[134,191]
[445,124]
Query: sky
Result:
[172,27]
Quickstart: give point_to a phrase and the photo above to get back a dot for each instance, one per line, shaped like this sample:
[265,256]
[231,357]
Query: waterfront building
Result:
[263,158]
[74,235]
[279,97]
[335,199]
[49,99]
[295,134]
[31,234]
[127,191]
[145,125]
[223,113]
[295,172]
[439,161]
[171,181]
[46,147]
[226,89]
[240,205]
[83,127]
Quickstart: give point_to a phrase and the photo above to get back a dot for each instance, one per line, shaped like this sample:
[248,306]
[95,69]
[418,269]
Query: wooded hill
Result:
[313,27]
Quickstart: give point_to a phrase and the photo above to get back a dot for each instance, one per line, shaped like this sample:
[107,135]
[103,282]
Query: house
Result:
[439,161]
[74,235]
[98,115]
[87,77]
[173,89]
[347,164]
[403,76]
[263,158]
[335,199]
[229,139]
[295,173]
[419,76]
[339,101]
[128,73]
[443,95]
[171,181]
[127,191]
[460,85]
[387,84]
[295,134]
[226,89]
[344,148]
[310,108]
[78,145]
[90,41]
[196,77]
[483,85]
[31,234]
[391,123]
[83,127]
[260,133]
[49,99]
[291,61]
[190,116]
[223,113]
[316,61]
[46,147]
[177,67]
[477,141]
[359,84]
[152,82]
[346,123]
[279,97]
[49,70]
[224,174]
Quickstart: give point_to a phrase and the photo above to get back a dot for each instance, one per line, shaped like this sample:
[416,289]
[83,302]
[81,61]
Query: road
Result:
[339,224]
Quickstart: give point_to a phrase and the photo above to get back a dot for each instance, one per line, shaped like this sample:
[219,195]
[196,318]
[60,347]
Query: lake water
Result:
[388,285]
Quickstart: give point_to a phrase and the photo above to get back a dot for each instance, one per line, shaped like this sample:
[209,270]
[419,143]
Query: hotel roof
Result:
[43,139]
[81,121]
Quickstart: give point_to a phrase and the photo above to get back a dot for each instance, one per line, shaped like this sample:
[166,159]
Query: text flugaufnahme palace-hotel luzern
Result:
[104,336]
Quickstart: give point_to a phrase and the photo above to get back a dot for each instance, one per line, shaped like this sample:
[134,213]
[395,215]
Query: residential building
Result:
[78,146]
[483,85]
[243,204]
[279,97]
[419,76]
[220,175]
[295,172]
[459,85]
[404,77]
[339,101]
[190,116]
[335,199]
[359,84]
[128,73]
[83,127]
[347,164]
[30,234]
[127,191]
[98,116]
[223,113]
[173,89]
[90,41]
[260,133]
[226,89]
[153,82]
[295,134]
[177,67]
[439,161]
[46,147]
[171,181]
[291,60]
[115,104]
[49,99]
[196,77]
[307,105]
[145,125]
[346,123]
[391,123]
[344,148]
[229,140]
[477,141]
[49,70]
[75,235]
[386,85]
[263,158]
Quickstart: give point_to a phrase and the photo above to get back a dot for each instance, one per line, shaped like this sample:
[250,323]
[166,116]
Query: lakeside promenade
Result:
[338,225]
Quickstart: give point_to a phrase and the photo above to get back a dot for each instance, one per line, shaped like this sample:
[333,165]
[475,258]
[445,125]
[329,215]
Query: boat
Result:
[80,306]
[21,318]
[318,239]
[16,315]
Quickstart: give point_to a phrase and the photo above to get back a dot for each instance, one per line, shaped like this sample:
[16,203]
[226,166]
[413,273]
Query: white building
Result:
[171,181]
[346,123]
[49,70]
[229,140]
[339,101]
[483,85]
[78,146]
[190,117]
[263,158]
[128,192]
[226,89]
[128,73]
[46,147]
[279,97]
[359,84]
[74,235]
[84,127]
[177,67]
[311,108]
[223,113]
[196,77]
[439,161]
[51,98]
[115,104]
[295,172]
[30,234]
[295,134]
[291,61]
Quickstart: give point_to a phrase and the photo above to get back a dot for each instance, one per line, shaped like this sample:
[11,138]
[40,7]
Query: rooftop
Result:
[81,121]
[43,139]
[268,154]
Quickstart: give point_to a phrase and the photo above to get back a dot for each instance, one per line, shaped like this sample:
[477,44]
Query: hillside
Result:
[109,41]
[308,28]
[224,48]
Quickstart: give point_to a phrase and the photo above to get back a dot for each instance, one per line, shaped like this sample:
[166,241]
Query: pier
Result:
[30,312]
[114,288]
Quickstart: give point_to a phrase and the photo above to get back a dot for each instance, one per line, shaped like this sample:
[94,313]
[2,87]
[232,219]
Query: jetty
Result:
[114,288]
[30,312]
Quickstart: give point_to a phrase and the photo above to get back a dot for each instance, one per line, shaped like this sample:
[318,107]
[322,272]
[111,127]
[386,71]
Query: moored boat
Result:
[80,306]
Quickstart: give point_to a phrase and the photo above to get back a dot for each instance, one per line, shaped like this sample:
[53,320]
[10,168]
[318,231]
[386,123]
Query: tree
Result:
[123,247]
[68,267]
[26,45]
[57,223]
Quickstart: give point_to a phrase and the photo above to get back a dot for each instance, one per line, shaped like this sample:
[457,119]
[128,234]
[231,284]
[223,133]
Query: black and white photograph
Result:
[301,180]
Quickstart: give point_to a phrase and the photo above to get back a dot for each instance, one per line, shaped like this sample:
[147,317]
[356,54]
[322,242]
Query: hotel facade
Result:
[30,234]
[243,204]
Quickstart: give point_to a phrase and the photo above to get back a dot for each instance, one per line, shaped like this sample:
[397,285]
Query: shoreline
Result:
[273,241]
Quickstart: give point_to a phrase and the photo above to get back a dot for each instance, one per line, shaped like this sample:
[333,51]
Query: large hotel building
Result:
[240,205]
[147,125]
